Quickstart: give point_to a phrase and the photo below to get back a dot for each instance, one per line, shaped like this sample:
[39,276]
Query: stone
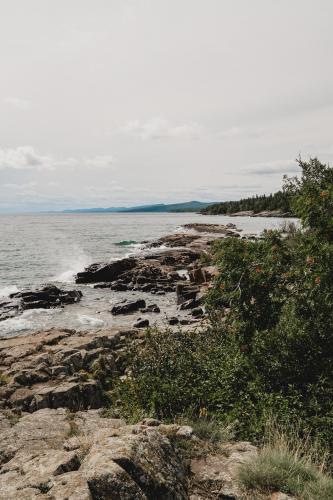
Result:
[136,463]
[47,297]
[197,312]
[173,321]
[105,272]
[141,323]
[71,485]
[151,422]
[128,307]
[186,292]
[189,304]
[152,308]
[218,472]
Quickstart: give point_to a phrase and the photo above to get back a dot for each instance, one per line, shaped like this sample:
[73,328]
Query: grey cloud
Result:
[18,103]
[27,158]
[160,128]
[273,167]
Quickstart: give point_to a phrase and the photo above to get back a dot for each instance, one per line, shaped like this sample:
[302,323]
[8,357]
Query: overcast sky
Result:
[122,102]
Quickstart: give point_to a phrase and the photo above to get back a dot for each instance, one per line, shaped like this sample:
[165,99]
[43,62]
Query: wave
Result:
[71,266]
[89,320]
[7,290]
[25,321]
[125,243]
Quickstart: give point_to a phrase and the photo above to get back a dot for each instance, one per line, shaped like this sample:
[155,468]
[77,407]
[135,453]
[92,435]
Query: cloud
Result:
[23,157]
[230,133]
[273,167]
[159,128]
[26,158]
[17,103]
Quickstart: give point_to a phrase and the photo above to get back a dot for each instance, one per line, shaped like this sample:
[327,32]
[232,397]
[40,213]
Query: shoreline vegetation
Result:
[237,403]
[273,205]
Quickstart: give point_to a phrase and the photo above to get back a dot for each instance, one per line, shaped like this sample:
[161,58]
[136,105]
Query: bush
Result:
[183,373]
[269,349]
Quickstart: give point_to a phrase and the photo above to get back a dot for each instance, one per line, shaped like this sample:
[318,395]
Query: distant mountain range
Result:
[189,206]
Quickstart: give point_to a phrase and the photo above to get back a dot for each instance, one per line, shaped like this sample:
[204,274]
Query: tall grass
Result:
[289,463]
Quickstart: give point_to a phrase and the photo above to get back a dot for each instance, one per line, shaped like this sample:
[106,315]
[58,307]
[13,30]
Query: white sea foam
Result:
[7,290]
[28,320]
[71,266]
[89,320]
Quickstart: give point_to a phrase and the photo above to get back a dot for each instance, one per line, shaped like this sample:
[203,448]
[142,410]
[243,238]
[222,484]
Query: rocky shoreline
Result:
[170,266]
[56,443]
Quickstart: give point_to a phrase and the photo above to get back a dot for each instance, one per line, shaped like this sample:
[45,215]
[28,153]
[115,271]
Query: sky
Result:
[125,102]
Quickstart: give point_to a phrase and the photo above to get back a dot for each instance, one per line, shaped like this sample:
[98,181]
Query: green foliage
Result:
[179,373]
[312,196]
[277,201]
[269,348]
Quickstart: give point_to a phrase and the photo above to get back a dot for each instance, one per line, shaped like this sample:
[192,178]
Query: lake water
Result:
[36,249]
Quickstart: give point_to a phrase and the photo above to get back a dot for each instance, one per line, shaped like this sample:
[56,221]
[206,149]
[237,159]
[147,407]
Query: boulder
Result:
[215,475]
[141,323]
[152,308]
[105,272]
[47,297]
[128,307]
[186,292]
[190,304]
[106,459]
[197,312]
[173,321]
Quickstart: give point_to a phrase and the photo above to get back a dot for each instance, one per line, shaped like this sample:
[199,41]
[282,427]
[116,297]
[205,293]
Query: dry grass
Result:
[289,464]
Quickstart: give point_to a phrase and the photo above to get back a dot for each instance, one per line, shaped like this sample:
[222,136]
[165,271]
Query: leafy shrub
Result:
[182,373]
[269,348]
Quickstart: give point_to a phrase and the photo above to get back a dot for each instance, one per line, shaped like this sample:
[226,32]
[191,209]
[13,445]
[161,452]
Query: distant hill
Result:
[277,201]
[189,206]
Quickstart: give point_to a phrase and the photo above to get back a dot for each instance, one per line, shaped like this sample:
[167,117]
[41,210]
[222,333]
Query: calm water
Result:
[43,248]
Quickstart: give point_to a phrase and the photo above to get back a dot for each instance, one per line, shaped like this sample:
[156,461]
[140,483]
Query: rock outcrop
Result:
[105,272]
[48,297]
[59,368]
[60,455]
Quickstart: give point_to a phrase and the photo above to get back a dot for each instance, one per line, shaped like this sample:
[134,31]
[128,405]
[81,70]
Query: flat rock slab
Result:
[109,460]
[57,368]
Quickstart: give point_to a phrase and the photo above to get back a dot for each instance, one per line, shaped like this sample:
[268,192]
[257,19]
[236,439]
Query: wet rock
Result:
[190,304]
[141,323]
[105,272]
[197,312]
[210,228]
[152,308]
[44,298]
[47,297]
[174,240]
[197,276]
[186,292]
[128,307]
[173,321]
